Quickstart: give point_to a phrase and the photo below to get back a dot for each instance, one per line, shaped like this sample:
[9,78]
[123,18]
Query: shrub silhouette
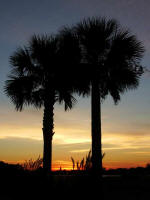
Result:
[84,164]
[33,165]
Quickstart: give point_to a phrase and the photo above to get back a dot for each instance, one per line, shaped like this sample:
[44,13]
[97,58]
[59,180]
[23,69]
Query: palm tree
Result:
[40,77]
[112,57]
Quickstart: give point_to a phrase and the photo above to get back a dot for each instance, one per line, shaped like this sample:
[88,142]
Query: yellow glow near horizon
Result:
[121,150]
[22,139]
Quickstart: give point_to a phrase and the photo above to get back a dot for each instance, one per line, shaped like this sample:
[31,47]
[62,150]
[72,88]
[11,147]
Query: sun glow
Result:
[20,141]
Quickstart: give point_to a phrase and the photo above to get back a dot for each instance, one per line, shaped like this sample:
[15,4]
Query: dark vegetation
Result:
[19,183]
[85,163]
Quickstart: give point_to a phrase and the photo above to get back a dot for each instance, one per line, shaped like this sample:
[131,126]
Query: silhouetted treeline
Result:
[18,183]
[17,169]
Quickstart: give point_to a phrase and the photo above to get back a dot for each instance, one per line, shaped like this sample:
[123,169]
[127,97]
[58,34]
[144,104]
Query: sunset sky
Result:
[125,127]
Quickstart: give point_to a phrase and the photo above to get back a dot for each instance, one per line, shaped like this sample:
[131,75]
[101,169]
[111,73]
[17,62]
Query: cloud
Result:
[79,151]
[15,149]
[119,150]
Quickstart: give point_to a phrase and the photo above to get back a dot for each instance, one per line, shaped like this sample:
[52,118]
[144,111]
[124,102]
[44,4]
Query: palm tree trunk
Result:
[96,129]
[48,131]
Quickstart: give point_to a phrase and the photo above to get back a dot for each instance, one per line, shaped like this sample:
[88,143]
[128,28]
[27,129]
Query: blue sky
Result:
[123,125]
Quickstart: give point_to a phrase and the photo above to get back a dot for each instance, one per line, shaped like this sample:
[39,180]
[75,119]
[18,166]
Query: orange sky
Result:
[126,140]
[125,132]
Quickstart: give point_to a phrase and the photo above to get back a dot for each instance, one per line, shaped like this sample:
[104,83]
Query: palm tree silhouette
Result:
[112,57]
[40,77]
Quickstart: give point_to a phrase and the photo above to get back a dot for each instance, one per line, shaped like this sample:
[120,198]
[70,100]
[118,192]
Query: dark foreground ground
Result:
[16,184]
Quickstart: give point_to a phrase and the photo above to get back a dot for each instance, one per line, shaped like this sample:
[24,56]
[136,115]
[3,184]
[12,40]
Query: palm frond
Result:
[21,62]
[112,55]
[20,90]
